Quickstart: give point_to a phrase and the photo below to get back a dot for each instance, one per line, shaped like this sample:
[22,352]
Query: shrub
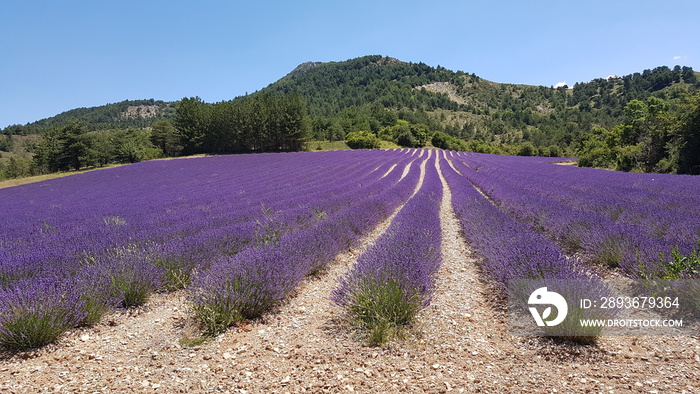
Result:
[381,307]
[92,286]
[362,140]
[240,287]
[132,274]
[35,312]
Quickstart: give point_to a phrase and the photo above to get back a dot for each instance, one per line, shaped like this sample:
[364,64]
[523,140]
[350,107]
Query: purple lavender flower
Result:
[37,311]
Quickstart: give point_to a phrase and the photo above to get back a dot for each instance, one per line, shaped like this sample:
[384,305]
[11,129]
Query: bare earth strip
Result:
[460,343]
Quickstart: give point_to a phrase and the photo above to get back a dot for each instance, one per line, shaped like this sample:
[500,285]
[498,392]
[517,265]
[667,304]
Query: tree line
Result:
[259,123]
[652,138]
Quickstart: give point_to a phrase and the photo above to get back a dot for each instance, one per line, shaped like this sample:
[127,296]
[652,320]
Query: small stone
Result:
[227,356]
[85,337]
[145,383]
[639,384]
[207,357]
[436,366]
[286,379]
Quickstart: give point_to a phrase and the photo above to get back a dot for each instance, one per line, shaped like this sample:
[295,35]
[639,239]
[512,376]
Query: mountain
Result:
[373,92]
[121,115]
[342,94]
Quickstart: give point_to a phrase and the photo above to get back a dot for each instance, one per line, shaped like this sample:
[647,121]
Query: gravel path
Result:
[460,343]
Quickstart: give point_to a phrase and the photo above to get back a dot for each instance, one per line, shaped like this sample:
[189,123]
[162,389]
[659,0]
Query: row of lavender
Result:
[66,241]
[512,249]
[393,279]
[168,213]
[252,282]
[514,254]
[155,201]
[634,221]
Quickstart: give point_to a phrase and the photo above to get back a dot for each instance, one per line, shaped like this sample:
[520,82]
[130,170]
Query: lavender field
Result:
[239,234]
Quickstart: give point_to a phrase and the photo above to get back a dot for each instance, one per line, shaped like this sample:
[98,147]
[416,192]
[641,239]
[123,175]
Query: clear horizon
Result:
[58,56]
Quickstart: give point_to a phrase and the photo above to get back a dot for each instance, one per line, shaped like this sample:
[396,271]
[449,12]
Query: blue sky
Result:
[60,55]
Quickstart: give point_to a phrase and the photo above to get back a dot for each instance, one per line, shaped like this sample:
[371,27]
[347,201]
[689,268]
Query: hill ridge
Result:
[472,106]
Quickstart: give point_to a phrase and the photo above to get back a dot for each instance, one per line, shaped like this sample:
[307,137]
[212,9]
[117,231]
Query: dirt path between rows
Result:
[460,343]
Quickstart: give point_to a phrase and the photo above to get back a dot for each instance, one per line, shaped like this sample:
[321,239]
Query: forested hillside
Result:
[638,122]
[371,92]
[121,115]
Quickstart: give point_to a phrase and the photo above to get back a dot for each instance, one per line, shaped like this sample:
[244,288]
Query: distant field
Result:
[37,178]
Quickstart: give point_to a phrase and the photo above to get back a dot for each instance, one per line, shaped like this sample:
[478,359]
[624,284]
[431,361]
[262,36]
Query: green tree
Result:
[362,140]
[47,151]
[641,143]
[104,145]
[6,143]
[14,169]
[597,148]
[76,149]
[64,148]
[440,140]
[135,145]
[165,137]
[262,122]
[192,120]
[406,134]
[446,141]
[689,138]
[527,149]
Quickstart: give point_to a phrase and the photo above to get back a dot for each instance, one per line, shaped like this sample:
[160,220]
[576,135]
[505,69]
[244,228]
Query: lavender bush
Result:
[92,284]
[393,278]
[241,287]
[37,311]
[132,274]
